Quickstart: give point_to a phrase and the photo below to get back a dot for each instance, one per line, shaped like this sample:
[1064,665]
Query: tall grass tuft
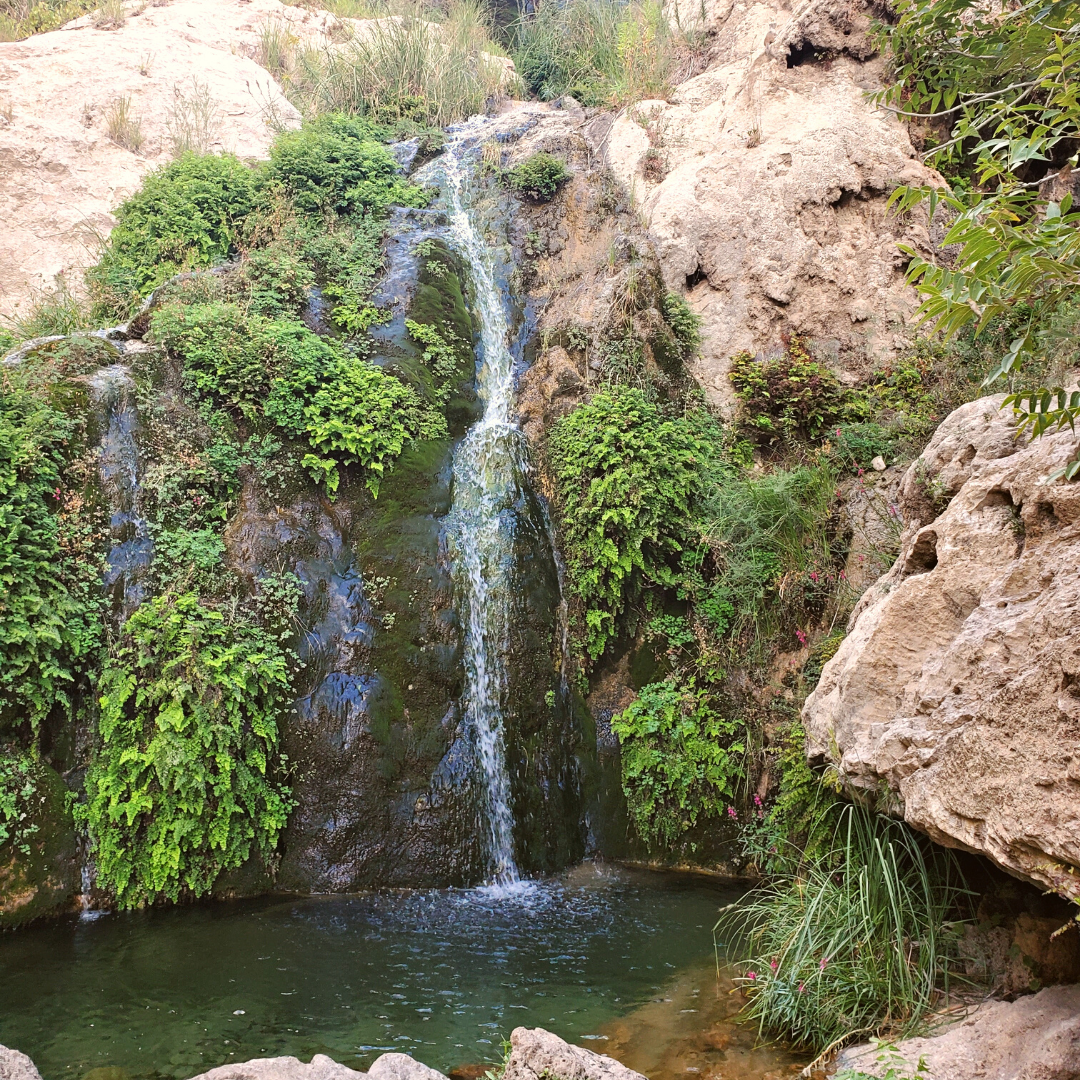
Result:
[406,68]
[603,52]
[855,945]
[194,120]
[769,538]
[124,125]
[55,310]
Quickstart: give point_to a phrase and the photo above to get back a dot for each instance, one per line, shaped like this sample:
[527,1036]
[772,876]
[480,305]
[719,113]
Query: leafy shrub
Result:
[676,768]
[857,943]
[335,163]
[47,635]
[538,177]
[683,320]
[184,216]
[225,352]
[351,411]
[183,785]
[279,281]
[791,397]
[627,477]
[856,445]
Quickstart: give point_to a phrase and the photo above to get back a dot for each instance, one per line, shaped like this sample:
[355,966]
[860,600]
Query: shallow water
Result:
[441,975]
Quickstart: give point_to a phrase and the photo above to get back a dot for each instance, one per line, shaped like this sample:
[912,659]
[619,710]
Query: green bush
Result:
[679,763]
[859,943]
[278,280]
[627,477]
[17,788]
[538,177]
[225,351]
[791,397]
[184,216]
[685,323]
[334,163]
[184,783]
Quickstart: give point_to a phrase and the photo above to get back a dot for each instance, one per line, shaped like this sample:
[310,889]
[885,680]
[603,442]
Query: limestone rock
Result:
[401,1067]
[1033,1038]
[321,1067]
[61,176]
[769,205]
[955,697]
[386,1067]
[535,1053]
[16,1066]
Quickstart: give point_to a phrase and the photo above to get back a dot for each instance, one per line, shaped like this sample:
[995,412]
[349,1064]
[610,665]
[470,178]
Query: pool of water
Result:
[442,975]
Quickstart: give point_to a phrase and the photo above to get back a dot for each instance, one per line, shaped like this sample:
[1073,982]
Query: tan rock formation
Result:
[956,694]
[1034,1038]
[764,185]
[61,175]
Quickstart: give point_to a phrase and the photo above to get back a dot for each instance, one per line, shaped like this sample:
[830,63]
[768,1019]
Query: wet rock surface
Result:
[952,699]
[536,1053]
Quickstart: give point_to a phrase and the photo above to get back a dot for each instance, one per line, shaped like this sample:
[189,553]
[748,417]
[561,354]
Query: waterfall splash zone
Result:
[444,975]
[489,466]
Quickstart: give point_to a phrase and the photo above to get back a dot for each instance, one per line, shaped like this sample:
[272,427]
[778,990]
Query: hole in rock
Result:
[996,497]
[967,455]
[696,278]
[923,557]
[804,54]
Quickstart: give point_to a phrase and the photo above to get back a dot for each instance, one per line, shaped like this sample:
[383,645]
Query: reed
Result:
[858,944]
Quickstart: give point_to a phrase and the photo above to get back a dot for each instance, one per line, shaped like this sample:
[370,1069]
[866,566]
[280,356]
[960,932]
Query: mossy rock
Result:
[40,874]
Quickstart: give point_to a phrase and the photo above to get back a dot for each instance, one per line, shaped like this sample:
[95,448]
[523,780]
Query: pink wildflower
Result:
[757,800]
[732,812]
[813,576]
[57,493]
[802,988]
[751,974]
[773,964]
[801,636]
[824,961]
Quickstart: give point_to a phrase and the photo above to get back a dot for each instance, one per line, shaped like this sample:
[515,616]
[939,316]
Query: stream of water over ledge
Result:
[442,975]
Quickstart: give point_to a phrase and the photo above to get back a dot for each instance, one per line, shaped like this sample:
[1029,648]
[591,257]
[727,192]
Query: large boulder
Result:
[1034,1038]
[764,183]
[954,701]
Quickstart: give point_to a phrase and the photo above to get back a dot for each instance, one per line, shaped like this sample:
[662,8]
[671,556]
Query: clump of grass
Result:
[277,47]
[111,15]
[124,125]
[857,944]
[406,68]
[194,120]
[56,310]
[603,52]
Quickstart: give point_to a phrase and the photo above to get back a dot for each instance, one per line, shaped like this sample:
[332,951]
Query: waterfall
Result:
[489,465]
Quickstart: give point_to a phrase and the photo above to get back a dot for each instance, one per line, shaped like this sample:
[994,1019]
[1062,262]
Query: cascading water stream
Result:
[489,464]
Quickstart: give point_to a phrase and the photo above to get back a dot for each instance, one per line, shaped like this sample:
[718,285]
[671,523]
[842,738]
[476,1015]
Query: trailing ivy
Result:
[187,781]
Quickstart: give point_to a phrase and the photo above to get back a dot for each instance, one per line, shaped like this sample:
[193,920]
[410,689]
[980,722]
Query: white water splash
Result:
[488,466]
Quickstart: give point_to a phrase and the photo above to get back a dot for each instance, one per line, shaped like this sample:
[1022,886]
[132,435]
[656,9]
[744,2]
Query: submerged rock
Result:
[955,698]
[1034,1038]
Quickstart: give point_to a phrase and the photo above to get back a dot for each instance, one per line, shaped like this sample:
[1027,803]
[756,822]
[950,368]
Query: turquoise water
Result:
[441,975]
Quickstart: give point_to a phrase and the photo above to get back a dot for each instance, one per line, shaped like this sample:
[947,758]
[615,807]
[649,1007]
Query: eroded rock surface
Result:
[955,697]
[764,184]
[1033,1038]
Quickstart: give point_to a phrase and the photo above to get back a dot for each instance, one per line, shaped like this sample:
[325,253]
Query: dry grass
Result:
[111,15]
[194,120]
[124,125]
[421,65]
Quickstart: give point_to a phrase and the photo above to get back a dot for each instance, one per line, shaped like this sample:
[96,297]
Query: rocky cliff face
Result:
[954,699]
[764,180]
